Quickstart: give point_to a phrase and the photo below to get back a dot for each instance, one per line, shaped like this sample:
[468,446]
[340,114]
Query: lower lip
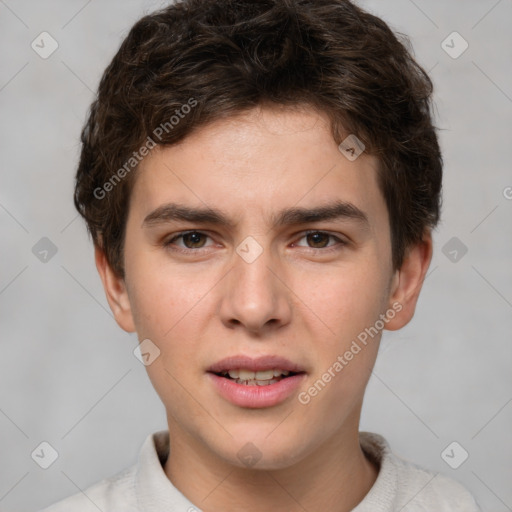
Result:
[256,396]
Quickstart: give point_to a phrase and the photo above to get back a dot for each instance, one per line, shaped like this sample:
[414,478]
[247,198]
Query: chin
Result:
[258,452]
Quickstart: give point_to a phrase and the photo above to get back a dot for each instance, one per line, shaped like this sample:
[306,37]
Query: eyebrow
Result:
[338,210]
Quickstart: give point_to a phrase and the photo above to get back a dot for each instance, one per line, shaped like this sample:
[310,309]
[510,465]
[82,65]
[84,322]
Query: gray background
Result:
[68,373]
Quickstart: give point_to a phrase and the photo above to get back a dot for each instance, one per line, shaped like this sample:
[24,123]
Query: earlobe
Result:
[115,291]
[408,280]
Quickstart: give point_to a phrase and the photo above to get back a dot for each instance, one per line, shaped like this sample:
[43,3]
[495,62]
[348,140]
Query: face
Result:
[256,245]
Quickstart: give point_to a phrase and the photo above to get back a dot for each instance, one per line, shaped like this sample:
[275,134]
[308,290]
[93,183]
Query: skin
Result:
[297,300]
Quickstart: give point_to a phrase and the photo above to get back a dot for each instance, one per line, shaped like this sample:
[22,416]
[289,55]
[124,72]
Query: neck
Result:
[334,476]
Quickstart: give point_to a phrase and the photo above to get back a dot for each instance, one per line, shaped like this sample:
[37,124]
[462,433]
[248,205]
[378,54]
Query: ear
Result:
[407,282]
[115,290]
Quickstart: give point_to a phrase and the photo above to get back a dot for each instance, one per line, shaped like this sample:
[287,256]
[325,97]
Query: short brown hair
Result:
[226,56]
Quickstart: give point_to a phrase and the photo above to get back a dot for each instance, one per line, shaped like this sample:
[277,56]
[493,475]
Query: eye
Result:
[191,240]
[320,240]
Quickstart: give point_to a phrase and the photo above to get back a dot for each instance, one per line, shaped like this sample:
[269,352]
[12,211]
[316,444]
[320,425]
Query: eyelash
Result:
[341,243]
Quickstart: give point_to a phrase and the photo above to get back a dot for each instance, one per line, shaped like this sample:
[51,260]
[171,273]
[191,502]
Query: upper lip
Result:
[261,363]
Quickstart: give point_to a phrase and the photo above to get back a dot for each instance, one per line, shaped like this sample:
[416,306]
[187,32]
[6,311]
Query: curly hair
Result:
[201,60]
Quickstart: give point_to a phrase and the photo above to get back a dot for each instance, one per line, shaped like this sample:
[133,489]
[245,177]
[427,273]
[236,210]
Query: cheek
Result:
[342,312]
[162,299]
[167,310]
[168,307]
[343,301]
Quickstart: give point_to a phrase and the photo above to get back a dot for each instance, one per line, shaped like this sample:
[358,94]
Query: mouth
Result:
[255,383]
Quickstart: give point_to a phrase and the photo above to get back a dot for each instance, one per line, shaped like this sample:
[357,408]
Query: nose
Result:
[254,294]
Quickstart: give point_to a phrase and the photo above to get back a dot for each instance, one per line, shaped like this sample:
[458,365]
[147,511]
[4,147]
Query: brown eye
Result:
[193,240]
[189,240]
[318,239]
[321,241]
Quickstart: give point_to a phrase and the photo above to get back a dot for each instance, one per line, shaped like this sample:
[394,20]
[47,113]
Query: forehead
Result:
[256,163]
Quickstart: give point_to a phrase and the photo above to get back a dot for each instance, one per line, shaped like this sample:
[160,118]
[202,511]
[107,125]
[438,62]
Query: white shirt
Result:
[144,487]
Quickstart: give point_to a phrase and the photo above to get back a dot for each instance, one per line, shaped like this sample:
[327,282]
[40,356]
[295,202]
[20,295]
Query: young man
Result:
[260,180]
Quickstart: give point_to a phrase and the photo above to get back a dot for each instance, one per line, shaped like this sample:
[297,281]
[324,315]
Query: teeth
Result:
[254,382]
[264,375]
[248,375]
